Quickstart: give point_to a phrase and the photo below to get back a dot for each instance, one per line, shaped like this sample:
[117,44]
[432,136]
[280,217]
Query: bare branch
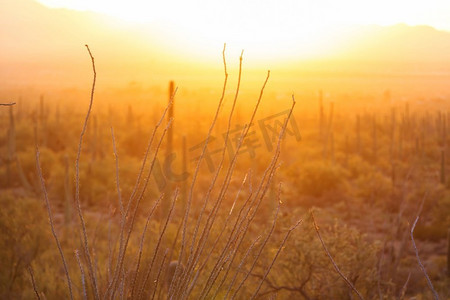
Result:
[332,260]
[141,247]
[77,184]
[158,244]
[173,290]
[116,157]
[276,256]
[83,281]
[405,287]
[260,251]
[33,282]
[430,285]
[161,267]
[123,240]
[50,218]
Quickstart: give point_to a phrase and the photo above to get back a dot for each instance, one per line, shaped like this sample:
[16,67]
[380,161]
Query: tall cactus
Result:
[448,253]
[42,121]
[58,116]
[327,134]
[443,150]
[443,171]
[321,116]
[392,134]
[12,156]
[94,140]
[11,146]
[346,150]
[358,134]
[67,192]
[169,148]
[184,187]
[374,138]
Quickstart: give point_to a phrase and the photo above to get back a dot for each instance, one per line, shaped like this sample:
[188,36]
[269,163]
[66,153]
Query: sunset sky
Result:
[289,12]
[278,26]
[43,40]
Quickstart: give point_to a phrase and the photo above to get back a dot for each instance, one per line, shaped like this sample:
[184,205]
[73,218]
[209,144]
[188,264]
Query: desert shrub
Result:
[357,166]
[305,271]
[25,238]
[50,161]
[319,178]
[439,220]
[440,215]
[373,186]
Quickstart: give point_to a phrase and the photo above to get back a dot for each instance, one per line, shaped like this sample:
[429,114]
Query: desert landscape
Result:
[203,150]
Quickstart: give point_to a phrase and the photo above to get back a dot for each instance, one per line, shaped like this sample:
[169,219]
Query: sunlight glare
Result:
[283,28]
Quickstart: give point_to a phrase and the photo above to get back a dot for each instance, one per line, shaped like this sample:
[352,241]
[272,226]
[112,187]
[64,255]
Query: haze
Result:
[303,44]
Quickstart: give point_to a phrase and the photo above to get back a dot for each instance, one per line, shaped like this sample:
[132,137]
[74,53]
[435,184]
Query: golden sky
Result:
[289,12]
[268,27]
[149,41]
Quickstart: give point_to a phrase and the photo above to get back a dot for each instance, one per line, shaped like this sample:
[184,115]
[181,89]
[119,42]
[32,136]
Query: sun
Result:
[266,29]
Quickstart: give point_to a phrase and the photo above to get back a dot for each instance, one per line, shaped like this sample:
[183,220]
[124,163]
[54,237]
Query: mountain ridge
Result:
[38,41]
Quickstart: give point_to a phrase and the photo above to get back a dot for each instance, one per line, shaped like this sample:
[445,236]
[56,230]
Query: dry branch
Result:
[77,184]
[332,260]
[50,218]
[419,261]
[33,282]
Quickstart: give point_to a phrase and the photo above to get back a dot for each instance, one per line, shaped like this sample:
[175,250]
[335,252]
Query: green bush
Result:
[25,238]
[305,271]
[319,178]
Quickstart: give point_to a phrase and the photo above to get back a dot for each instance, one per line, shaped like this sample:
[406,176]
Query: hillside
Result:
[45,47]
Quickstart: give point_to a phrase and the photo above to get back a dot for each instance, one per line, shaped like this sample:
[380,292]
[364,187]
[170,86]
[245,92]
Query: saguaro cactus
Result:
[67,192]
[321,116]
[11,146]
[448,253]
[42,121]
[327,134]
[184,187]
[443,171]
[392,134]
[374,138]
[358,134]
[12,156]
[443,150]
[169,148]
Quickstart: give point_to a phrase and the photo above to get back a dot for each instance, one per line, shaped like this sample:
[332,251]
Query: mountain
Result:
[400,43]
[41,45]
